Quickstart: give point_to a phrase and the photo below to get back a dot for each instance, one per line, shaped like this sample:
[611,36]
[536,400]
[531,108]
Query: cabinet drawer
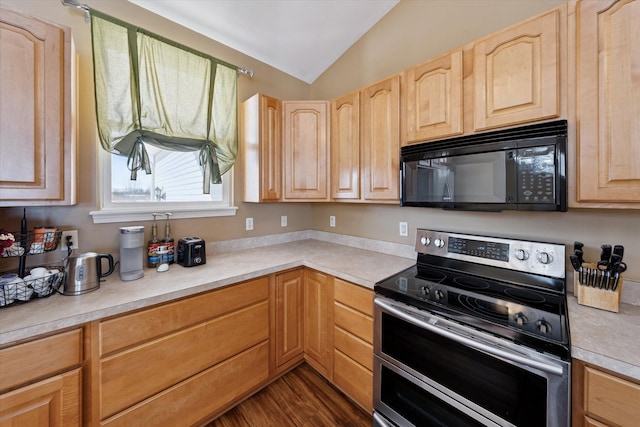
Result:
[125,331]
[611,398]
[202,395]
[353,379]
[36,359]
[136,374]
[354,347]
[354,296]
[354,322]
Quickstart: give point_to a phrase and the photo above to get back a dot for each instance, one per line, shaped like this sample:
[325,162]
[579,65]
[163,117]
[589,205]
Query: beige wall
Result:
[104,237]
[412,32]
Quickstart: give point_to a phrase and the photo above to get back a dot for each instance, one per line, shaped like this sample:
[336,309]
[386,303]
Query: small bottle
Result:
[163,255]
[168,240]
[152,246]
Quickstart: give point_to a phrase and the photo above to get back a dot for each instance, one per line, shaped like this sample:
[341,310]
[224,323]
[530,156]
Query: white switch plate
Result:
[332,221]
[283,221]
[249,224]
[404,229]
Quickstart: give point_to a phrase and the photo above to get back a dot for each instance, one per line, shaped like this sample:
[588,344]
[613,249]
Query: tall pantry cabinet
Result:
[37,143]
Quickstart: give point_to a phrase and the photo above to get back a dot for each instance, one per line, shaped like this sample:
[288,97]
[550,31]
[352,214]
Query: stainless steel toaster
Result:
[191,251]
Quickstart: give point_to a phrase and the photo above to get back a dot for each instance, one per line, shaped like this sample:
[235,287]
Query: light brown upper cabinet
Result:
[608,104]
[261,138]
[380,140]
[345,147]
[306,150]
[434,103]
[37,147]
[516,73]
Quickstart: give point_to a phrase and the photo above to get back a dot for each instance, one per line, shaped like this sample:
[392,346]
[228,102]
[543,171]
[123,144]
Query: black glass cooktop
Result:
[523,313]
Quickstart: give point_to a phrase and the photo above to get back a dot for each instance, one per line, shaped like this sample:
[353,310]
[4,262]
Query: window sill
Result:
[145,214]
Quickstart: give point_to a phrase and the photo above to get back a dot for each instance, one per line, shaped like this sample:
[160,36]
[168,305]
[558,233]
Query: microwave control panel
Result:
[536,174]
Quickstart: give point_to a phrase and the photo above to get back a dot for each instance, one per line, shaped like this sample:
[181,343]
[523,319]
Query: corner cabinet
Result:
[608,104]
[41,382]
[306,150]
[318,318]
[37,147]
[345,147]
[261,136]
[434,102]
[287,336]
[516,73]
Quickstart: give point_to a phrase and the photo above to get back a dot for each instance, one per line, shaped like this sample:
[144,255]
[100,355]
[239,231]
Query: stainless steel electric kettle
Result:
[82,272]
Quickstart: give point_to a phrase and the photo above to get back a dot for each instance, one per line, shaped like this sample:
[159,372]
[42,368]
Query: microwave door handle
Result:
[546,367]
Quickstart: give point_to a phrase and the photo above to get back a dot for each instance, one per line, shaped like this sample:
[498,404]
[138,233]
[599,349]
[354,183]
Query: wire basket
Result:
[16,290]
[38,241]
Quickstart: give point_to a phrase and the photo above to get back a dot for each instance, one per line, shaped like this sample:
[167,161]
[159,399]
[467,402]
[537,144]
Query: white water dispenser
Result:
[131,252]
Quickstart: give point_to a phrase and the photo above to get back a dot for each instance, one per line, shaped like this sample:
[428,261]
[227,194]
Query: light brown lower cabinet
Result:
[187,361]
[353,342]
[318,318]
[287,335]
[601,398]
[41,382]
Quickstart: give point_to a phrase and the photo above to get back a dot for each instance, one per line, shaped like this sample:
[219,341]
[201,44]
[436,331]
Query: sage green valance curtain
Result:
[150,90]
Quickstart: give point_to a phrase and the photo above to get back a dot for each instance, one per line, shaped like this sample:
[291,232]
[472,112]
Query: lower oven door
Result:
[430,371]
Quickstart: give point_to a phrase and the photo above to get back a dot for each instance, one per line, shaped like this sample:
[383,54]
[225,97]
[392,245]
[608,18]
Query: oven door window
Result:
[508,391]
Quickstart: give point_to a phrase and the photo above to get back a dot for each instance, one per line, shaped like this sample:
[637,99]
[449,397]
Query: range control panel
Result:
[541,258]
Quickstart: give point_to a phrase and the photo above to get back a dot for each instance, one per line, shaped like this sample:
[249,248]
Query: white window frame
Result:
[110,212]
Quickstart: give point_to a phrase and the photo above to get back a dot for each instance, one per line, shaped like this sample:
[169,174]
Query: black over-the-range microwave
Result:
[521,168]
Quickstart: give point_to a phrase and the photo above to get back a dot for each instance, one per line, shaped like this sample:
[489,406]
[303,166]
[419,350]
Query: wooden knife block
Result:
[595,297]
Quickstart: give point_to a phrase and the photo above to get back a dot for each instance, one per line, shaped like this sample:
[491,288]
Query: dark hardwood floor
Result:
[301,398]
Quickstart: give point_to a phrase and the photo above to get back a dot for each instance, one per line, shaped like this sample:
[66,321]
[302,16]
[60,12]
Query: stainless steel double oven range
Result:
[475,334]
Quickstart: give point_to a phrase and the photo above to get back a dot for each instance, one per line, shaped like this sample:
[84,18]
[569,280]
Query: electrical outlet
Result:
[404,229]
[249,224]
[332,221]
[283,221]
[74,240]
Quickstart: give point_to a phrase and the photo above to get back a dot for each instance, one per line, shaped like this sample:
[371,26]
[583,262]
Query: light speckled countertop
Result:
[603,338]
[360,266]
[607,339]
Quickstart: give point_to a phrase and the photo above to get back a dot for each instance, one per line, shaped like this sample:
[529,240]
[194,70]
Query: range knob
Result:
[543,326]
[425,240]
[521,319]
[439,243]
[521,254]
[544,258]
[438,294]
[425,291]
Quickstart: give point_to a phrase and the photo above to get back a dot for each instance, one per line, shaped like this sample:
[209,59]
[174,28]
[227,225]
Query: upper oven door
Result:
[504,382]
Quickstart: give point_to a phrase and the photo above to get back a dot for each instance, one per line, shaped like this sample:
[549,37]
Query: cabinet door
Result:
[306,150]
[380,136]
[345,147]
[434,107]
[36,147]
[608,147]
[516,73]
[289,323]
[53,402]
[262,148]
[318,319]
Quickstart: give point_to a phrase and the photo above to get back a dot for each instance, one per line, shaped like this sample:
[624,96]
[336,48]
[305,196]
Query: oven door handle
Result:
[516,358]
